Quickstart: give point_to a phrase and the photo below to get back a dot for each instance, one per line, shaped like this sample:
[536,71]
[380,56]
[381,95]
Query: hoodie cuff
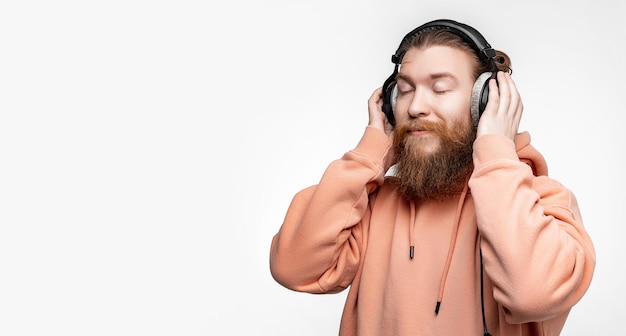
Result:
[374,144]
[492,147]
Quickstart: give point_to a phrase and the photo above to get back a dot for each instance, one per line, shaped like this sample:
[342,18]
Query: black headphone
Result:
[480,91]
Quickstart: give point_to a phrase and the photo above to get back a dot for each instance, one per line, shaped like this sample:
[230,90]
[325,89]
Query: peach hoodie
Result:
[353,230]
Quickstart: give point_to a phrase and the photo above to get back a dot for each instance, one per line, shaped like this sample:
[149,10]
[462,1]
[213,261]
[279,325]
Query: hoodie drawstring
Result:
[451,246]
[412,231]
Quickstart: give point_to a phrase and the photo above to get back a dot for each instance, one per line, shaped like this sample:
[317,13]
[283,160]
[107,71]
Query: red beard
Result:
[435,174]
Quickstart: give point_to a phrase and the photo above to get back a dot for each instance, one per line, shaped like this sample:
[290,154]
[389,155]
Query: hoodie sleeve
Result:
[536,250]
[318,246]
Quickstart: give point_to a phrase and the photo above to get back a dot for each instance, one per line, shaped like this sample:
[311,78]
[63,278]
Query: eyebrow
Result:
[433,76]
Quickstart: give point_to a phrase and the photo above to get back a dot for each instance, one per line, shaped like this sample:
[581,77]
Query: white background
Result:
[150,149]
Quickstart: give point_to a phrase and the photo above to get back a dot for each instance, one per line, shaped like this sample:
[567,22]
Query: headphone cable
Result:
[482,294]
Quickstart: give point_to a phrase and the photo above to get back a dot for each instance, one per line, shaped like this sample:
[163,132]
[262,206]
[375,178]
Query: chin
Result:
[424,145]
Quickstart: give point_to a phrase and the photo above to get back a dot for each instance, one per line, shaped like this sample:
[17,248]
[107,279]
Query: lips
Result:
[421,129]
[418,128]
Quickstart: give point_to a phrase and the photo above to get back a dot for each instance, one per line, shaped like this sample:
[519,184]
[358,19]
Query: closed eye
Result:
[404,87]
[442,86]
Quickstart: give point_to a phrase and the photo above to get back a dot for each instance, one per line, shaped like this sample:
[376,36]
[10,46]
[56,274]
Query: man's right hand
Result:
[377,117]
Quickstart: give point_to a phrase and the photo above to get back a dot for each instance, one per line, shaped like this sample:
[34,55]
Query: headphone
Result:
[480,90]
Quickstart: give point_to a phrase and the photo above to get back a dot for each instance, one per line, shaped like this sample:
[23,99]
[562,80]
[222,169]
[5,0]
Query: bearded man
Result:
[465,234]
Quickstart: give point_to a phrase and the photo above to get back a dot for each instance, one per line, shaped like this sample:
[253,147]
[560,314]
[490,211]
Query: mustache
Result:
[401,131]
[421,125]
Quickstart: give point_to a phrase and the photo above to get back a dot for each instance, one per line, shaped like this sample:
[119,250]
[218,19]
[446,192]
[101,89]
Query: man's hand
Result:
[504,108]
[377,117]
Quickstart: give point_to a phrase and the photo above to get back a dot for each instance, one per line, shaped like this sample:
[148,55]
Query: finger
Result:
[376,98]
[516,101]
[505,93]
[377,94]
[376,116]
[515,96]
[510,93]
[494,96]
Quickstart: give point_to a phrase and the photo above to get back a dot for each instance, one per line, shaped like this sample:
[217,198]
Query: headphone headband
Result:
[470,35]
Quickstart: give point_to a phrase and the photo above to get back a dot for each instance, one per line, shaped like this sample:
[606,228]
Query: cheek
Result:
[454,106]
[400,111]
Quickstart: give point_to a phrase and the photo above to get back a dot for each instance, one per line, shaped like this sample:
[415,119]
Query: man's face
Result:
[434,87]
[434,133]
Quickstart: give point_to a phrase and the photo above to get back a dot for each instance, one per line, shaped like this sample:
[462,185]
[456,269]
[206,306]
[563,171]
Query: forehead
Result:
[422,62]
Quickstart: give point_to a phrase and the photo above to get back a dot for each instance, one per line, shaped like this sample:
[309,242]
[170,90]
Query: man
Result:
[467,235]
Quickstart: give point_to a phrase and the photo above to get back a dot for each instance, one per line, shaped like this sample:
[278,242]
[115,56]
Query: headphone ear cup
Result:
[394,97]
[480,95]
[390,95]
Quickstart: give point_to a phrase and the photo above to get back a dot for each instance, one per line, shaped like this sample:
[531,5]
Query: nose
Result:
[419,105]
